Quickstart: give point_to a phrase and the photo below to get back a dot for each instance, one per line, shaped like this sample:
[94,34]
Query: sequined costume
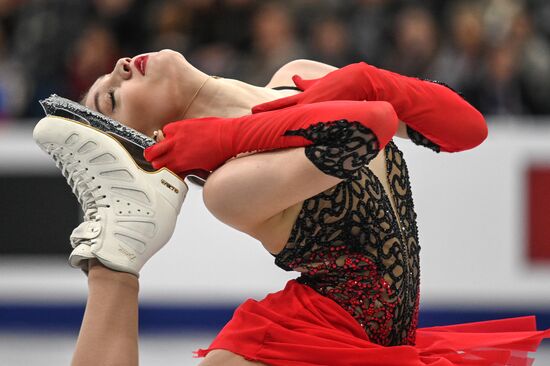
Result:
[353,247]
[356,301]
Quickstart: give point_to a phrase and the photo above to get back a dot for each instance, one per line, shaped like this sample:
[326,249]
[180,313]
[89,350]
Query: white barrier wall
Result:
[471,213]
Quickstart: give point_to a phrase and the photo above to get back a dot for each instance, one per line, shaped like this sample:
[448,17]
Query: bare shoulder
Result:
[307,69]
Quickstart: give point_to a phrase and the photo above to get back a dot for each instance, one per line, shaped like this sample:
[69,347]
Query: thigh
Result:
[222,357]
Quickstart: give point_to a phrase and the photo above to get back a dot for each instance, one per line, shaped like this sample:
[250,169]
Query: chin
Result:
[171,53]
[169,65]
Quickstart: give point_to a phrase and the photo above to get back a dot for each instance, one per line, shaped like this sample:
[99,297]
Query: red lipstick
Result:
[141,63]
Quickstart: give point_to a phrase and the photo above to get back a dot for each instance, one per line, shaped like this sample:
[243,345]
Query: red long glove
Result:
[206,143]
[433,110]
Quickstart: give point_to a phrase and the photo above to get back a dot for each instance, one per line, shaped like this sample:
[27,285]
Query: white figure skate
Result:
[130,209]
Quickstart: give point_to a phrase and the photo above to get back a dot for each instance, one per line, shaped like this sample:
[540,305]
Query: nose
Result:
[123,68]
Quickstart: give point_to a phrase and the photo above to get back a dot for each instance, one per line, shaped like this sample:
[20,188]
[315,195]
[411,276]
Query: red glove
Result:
[433,110]
[206,143]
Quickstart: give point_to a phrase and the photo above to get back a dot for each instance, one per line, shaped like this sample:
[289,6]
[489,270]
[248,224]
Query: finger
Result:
[276,104]
[158,135]
[157,150]
[303,84]
[169,128]
[164,161]
[157,164]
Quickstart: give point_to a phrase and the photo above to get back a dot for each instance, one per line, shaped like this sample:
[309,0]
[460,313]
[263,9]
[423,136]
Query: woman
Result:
[329,196]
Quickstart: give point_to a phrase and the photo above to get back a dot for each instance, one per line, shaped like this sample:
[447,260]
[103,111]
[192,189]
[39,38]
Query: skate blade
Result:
[133,141]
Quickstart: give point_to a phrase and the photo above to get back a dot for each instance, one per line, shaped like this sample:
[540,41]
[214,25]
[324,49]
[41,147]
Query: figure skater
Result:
[317,178]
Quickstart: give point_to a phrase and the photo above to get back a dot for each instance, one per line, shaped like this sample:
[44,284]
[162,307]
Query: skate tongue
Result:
[80,256]
[86,231]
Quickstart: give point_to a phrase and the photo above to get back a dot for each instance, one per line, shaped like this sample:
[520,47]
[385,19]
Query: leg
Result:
[109,332]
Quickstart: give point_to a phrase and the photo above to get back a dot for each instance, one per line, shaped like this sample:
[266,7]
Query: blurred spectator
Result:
[331,42]
[534,64]
[95,53]
[461,54]
[217,59]
[13,84]
[44,34]
[416,43]
[170,27]
[369,29]
[496,52]
[8,10]
[222,22]
[517,68]
[274,43]
[500,88]
[124,19]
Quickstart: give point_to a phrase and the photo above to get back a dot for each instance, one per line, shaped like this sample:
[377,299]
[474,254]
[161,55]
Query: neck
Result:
[228,98]
[194,96]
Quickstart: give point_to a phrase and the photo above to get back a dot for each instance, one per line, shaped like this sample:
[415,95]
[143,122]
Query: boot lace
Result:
[79,181]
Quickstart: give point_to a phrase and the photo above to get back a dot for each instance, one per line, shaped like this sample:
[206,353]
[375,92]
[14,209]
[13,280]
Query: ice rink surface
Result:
[25,349]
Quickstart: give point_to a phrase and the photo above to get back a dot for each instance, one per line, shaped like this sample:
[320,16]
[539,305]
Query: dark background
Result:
[43,226]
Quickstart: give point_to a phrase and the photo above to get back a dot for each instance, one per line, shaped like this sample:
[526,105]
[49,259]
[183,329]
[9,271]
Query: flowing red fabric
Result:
[299,327]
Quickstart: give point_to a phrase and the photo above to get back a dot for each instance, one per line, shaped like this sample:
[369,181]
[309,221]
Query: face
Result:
[143,92]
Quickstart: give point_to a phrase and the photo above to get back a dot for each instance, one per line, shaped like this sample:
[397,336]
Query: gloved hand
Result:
[207,143]
[188,145]
[341,84]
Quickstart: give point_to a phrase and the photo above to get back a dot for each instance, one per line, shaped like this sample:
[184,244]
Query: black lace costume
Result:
[350,244]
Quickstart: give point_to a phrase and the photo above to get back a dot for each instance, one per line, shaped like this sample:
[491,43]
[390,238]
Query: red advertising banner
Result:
[538,213]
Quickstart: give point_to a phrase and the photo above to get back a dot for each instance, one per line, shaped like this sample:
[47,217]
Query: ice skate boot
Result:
[129,208]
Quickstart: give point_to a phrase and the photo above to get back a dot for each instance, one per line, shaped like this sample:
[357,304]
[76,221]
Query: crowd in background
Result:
[496,52]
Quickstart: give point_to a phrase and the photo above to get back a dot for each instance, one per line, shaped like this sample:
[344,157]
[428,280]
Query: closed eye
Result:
[112,97]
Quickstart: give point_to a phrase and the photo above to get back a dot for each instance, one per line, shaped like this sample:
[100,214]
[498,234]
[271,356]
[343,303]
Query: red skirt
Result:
[299,327]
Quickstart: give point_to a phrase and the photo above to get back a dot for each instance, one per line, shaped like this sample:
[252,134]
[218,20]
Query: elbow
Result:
[473,131]
[214,198]
[224,200]
[476,128]
[482,131]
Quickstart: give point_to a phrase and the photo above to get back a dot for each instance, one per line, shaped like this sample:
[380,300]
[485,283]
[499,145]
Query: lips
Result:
[141,63]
